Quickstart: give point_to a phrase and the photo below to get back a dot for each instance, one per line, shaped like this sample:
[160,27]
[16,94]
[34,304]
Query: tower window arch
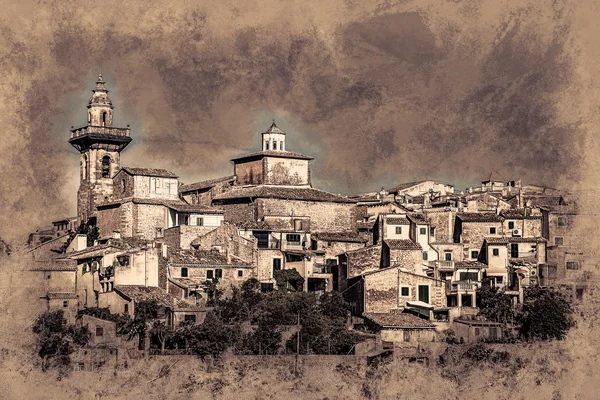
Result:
[104,118]
[84,167]
[106,166]
[89,117]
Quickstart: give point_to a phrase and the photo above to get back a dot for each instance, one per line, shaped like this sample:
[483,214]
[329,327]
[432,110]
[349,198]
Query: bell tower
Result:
[100,145]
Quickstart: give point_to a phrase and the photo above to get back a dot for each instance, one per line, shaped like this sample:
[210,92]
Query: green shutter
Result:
[424,293]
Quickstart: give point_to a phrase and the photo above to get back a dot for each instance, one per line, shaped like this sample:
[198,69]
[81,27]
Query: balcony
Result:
[100,130]
[442,265]
[319,268]
[461,286]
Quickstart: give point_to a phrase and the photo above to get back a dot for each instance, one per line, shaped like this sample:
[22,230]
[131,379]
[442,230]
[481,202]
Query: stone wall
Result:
[443,222]
[473,234]
[229,240]
[147,218]
[363,261]
[324,216]
[382,290]
[249,173]
[286,171]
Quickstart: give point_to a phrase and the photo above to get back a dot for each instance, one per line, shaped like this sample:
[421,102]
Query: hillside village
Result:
[409,260]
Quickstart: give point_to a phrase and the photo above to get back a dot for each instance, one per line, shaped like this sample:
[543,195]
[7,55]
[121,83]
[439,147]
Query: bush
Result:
[57,339]
[545,315]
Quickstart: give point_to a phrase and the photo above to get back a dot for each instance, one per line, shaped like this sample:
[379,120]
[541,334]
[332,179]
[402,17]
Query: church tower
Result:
[100,145]
[273,139]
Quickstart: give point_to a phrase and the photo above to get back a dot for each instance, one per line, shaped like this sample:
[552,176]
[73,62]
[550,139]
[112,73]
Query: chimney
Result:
[164,250]
[80,242]
[116,235]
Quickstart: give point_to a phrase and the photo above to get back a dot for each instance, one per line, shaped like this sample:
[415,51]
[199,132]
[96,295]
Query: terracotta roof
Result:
[55,265]
[149,172]
[493,176]
[399,320]
[404,186]
[352,237]
[176,205]
[60,296]
[280,192]
[112,245]
[509,239]
[544,200]
[140,293]
[204,184]
[479,217]
[522,213]
[402,244]
[274,129]
[189,282]
[468,264]
[273,153]
[202,258]
[397,221]
[418,219]
[365,249]
[365,224]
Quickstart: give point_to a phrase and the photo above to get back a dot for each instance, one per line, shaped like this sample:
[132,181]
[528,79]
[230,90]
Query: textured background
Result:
[381,92]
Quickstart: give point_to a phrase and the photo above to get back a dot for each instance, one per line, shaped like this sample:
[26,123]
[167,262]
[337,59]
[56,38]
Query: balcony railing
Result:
[101,130]
[319,268]
[461,286]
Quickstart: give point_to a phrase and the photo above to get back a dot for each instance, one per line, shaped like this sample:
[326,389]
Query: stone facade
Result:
[473,234]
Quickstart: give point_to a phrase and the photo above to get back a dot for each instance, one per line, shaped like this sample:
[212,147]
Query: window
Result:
[424,255]
[199,221]
[561,221]
[123,185]
[104,118]
[218,273]
[469,276]
[209,274]
[189,318]
[398,230]
[84,162]
[267,145]
[47,275]
[511,225]
[496,252]
[106,167]
[240,273]
[156,185]
[404,292]
[476,331]
[276,264]
[448,256]
[126,308]
[572,265]
[275,145]
[514,250]
[558,241]
[99,331]
[474,254]
[424,293]
[123,261]
[65,304]
[423,231]
[492,231]
[184,272]
[432,231]
[293,238]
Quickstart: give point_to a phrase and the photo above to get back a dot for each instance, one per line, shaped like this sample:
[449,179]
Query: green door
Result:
[424,293]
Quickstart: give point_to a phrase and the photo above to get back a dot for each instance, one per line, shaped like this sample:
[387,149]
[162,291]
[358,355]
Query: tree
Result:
[213,292]
[288,279]
[211,338]
[145,311]
[495,305]
[57,339]
[545,315]
[161,332]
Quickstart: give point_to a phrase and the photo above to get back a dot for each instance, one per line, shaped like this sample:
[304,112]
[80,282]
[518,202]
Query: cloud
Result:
[379,94]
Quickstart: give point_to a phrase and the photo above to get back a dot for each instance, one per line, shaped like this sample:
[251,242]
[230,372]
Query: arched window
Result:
[89,117]
[104,118]
[275,145]
[84,167]
[106,167]
[266,145]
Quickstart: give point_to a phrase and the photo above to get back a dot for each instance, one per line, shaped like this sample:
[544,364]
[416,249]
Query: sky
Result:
[380,92]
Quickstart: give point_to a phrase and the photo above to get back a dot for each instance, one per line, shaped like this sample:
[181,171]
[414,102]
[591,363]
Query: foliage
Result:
[211,338]
[162,332]
[145,311]
[495,305]
[213,292]
[289,279]
[545,315]
[57,339]
[91,231]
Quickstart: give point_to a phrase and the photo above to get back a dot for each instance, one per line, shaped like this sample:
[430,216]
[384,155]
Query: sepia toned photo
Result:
[280,199]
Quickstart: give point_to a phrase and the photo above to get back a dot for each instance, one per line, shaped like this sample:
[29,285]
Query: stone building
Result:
[100,145]
[203,193]
[470,229]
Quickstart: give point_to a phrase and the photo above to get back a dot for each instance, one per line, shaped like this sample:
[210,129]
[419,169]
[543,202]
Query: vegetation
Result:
[544,314]
[289,279]
[57,339]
